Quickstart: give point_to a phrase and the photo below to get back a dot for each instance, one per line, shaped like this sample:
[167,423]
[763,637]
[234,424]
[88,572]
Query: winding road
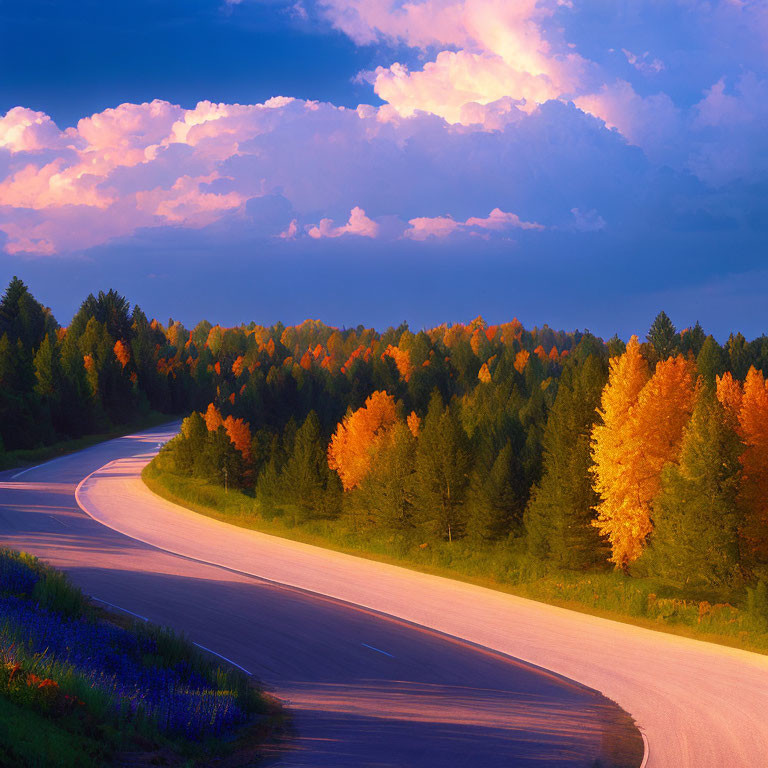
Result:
[380,665]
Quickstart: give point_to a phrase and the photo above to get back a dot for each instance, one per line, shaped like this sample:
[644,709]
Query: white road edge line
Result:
[117,607]
[378,650]
[201,647]
[38,466]
[229,661]
[646,747]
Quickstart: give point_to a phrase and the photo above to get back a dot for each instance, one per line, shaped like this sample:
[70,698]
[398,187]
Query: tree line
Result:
[650,457]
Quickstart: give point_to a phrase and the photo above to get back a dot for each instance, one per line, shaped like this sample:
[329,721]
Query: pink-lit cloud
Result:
[500,116]
[359,224]
[424,227]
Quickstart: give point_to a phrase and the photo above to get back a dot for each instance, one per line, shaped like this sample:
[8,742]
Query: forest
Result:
[650,458]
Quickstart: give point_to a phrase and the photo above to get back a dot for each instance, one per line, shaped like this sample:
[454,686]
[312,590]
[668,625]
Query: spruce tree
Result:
[696,514]
[710,361]
[308,486]
[386,495]
[442,472]
[663,336]
[494,504]
[559,518]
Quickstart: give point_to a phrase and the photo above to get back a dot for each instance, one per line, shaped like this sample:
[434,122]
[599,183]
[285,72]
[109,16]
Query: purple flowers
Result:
[140,675]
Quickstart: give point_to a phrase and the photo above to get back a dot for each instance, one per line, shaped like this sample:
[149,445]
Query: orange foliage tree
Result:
[521,360]
[753,430]
[122,353]
[402,358]
[239,433]
[357,437]
[213,418]
[641,425]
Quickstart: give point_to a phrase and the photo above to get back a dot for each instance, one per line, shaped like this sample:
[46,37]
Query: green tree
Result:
[663,336]
[696,515]
[710,361]
[190,445]
[494,503]
[309,488]
[558,520]
[386,494]
[442,472]
[22,317]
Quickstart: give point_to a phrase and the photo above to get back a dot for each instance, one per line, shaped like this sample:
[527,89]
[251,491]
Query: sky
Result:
[581,163]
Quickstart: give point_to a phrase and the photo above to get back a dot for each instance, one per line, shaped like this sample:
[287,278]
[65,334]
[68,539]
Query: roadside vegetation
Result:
[729,617]
[81,687]
[629,478]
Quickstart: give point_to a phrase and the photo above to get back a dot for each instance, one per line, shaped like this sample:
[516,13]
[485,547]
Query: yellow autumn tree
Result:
[358,436]
[484,374]
[730,393]
[611,446]
[629,461]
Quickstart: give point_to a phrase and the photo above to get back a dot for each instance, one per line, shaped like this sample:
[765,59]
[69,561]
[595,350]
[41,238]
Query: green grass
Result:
[718,617]
[23,457]
[30,739]
[55,711]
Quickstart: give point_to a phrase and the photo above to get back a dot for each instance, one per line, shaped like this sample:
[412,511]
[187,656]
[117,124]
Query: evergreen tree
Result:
[710,361]
[386,495]
[559,519]
[189,446]
[442,472]
[663,336]
[692,340]
[308,486]
[494,503]
[696,514]
[220,461]
[23,318]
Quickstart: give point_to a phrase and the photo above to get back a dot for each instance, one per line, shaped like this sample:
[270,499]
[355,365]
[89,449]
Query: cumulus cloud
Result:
[492,49]
[504,112]
[157,165]
[425,227]
[358,224]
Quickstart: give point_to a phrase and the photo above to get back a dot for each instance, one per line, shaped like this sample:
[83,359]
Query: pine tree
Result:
[710,361]
[560,517]
[386,495]
[494,506]
[310,489]
[442,472]
[22,317]
[663,336]
[189,446]
[696,515]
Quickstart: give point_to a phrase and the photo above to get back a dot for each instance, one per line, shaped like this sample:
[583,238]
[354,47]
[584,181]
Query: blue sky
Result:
[581,163]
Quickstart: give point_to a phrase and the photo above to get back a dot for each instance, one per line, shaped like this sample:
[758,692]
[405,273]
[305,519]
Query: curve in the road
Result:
[365,689]
[700,704]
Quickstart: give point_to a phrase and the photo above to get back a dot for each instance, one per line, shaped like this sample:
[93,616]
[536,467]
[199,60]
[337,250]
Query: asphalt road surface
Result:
[379,665]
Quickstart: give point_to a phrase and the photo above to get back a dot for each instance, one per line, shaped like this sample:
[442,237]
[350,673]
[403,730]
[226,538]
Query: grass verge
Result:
[30,456]
[710,615]
[80,686]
